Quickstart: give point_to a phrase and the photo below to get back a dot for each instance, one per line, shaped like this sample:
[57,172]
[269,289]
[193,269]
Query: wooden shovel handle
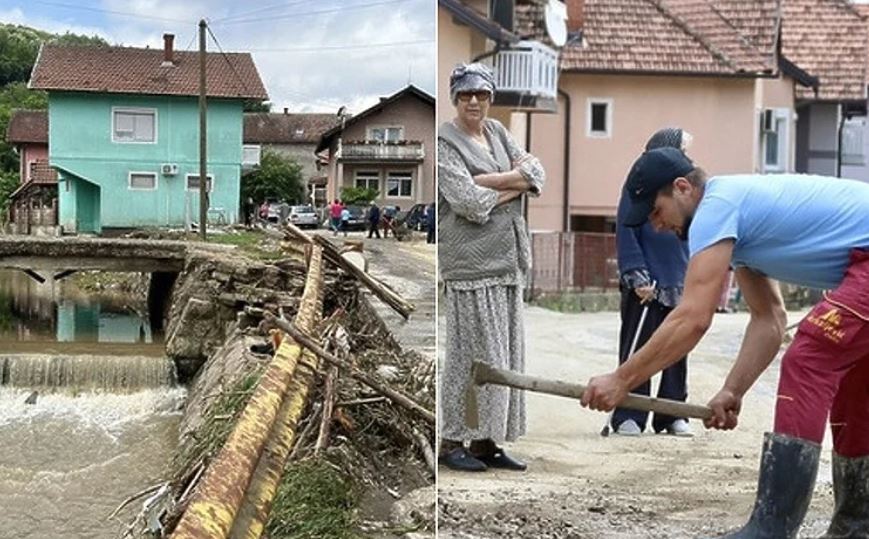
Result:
[484,374]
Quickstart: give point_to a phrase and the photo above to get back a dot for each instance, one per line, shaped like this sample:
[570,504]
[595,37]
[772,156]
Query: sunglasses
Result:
[466,96]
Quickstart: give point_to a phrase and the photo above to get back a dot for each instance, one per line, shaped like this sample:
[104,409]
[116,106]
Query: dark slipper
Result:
[500,459]
[460,459]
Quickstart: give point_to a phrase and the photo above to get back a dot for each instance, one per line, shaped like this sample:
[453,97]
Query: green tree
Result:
[255,105]
[276,177]
[358,195]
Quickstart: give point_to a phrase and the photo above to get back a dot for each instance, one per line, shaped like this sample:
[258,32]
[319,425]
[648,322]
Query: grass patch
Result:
[251,242]
[218,424]
[313,501]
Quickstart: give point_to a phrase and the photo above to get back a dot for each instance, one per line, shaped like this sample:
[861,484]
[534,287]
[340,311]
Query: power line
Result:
[345,47]
[260,10]
[305,13]
[98,10]
[225,57]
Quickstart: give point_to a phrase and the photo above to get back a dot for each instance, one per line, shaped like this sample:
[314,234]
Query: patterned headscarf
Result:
[471,78]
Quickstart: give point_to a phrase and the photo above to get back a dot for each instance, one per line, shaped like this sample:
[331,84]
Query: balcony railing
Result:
[373,150]
[526,76]
[41,172]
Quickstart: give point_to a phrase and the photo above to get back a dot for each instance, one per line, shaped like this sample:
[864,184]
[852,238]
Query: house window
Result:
[399,184]
[134,125]
[250,155]
[852,142]
[599,118]
[367,179]
[774,126]
[193,182]
[385,134]
[145,181]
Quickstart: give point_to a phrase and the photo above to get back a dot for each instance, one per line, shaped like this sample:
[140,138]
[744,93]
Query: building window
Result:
[250,155]
[193,182]
[399,184]
[774,126]
[367,179]
[134,125]
[852,142]
[145,181]
[385,134]
[599,117]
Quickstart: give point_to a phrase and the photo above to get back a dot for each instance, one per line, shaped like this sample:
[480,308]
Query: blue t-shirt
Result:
[791,227]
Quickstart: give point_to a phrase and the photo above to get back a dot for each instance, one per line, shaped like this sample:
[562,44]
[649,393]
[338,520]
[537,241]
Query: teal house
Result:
[124,133]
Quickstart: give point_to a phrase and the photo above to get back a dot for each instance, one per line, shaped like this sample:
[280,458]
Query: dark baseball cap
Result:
[650,172]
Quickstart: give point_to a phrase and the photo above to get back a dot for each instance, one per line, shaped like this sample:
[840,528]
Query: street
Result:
[582,485]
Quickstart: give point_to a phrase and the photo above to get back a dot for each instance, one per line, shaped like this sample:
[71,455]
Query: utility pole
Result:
[203,147]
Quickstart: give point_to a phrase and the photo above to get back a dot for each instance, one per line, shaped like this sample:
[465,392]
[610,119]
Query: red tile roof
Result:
[277,128]
[140,71]
[665,36]
[28,126]
[829,40]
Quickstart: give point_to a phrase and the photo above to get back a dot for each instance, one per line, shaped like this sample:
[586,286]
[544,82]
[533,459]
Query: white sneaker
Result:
[680,428]
[629,427]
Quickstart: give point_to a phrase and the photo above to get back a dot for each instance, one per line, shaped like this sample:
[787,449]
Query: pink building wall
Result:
[28,154]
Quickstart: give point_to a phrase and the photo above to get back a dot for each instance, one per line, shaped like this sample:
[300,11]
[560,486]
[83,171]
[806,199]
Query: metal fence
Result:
[573,261]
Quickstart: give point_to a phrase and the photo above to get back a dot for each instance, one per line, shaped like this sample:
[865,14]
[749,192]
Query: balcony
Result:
[374,151]
[41,172]
[526,77]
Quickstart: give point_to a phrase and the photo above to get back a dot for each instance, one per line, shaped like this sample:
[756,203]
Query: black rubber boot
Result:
[788,467]
[851,493]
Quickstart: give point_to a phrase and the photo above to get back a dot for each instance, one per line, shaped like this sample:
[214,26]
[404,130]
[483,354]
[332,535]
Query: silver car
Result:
[303,216]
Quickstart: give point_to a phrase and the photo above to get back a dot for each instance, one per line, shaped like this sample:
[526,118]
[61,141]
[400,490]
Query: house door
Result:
[87,200]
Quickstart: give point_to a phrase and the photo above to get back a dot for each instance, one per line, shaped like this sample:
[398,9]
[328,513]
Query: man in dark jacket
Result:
[430,223]
[652,269]
[374,220]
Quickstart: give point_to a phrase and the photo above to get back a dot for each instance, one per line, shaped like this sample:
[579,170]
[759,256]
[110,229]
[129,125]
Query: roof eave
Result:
[485,26]
[800,75]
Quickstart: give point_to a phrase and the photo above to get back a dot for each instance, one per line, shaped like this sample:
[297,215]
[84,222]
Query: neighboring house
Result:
[294,135]
[631,67]
[526,70]
[33,206]
[829,39]
[389,147]
[124,133]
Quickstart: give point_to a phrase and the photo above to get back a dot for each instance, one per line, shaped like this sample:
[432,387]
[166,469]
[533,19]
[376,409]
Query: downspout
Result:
[566,194]
[527,149]
[839,144]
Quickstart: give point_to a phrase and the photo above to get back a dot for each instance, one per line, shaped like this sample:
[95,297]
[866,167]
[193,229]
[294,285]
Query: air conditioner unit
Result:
[768,120]
[169,169]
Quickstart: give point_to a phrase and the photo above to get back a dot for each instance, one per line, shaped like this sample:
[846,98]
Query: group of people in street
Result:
[681,234]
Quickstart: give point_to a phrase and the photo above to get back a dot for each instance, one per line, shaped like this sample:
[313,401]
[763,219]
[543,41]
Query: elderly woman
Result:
[484,256]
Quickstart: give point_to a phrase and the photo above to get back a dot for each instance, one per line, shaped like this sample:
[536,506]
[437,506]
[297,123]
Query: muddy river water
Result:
[104,422]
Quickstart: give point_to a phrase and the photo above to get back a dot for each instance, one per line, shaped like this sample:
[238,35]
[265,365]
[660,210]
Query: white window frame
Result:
[370,130]
[854,128]
[134,110]
[196,190]
[399,195]
[781,117]
[590,102]
[368,179]
[132,173]
[250,147]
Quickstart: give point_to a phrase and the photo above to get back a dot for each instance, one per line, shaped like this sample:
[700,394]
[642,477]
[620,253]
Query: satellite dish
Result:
[555,17]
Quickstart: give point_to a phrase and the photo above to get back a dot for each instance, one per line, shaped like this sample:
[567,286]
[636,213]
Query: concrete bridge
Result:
[59,257]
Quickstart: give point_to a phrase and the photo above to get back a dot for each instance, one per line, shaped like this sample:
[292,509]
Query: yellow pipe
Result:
[219,496]
[256,507]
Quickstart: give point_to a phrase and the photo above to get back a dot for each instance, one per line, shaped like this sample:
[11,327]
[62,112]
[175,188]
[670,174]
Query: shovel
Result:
[484,374]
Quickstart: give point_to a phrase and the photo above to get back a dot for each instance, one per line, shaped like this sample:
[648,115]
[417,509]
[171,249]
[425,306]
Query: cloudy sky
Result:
[313,55]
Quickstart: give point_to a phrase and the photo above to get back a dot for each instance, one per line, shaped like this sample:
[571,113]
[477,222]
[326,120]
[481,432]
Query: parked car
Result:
[303,216]
[278,211]
[358,216]
[415,218]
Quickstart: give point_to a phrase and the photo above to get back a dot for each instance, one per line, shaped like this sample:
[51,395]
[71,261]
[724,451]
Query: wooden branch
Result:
[312,420]
[354,402]
[328,404]
[134,497]
[426,449]
[354,372]
[333,255]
